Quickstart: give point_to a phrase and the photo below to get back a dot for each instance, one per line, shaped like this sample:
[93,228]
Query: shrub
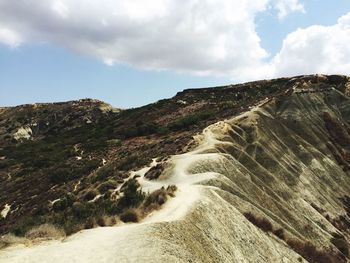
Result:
[156,199]
[79,210]
[132,161]
[46,231]
[279,233]
[105,186]
[130,215]
[90,194]
[187,121]
[311,253]
[90,223]
[106,221]
[341,244]
[101,221]
[59,205]
[143,129]
[261,223]
[114,142]
[132,196]
[103,173]
[154,172]
[59,175]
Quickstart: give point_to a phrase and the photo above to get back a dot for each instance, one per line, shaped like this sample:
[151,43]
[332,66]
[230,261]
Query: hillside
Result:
[256,172]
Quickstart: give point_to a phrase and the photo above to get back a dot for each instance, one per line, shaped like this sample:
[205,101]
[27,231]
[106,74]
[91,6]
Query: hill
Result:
[256,172]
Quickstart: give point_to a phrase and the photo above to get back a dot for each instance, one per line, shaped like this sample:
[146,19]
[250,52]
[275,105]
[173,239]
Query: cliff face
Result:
[266,181]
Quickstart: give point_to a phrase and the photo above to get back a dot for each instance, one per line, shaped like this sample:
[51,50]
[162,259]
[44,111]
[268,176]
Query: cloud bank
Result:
[208,37]
[322,49]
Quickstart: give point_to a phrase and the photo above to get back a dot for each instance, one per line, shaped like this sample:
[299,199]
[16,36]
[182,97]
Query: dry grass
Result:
[10,240]
[156,199]
[45,231]
[153,202]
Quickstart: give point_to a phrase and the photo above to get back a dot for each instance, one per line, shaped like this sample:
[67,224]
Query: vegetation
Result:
[341,244]
[156,199]
[305,249]
[311,253]
[132,196]
[45,231]
[261,223]
[189,120]
[130,215]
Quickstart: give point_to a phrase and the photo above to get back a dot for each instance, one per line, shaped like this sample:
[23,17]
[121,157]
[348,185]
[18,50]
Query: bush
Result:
[311,253]
[261,223]
[341,244]
[132,161]
[114,142]
[59,175]
[90,194]
[103,173]
[130,215]
[189,120]
[106,221]
[279,233]
[105,186]
[132,196]
[143,129]
[156,199]
[155,172]
[90,223]
[59,205]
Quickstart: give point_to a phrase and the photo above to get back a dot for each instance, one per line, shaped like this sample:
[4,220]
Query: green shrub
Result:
[105,186]
[59,175]
[103,173]
[90,194]
[187,121]
[131,161]
[114,142]
[143,129]
[132,195]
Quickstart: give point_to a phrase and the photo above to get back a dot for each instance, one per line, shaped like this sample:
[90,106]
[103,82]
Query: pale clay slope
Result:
[248,163]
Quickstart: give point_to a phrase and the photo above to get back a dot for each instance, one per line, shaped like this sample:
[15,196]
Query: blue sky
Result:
[45,60]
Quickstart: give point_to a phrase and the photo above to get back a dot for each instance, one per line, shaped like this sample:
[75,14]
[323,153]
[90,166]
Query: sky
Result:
[132,52]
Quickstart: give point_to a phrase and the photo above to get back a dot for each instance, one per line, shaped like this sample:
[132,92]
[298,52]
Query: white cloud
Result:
[197,36]
[9,37]
[316,49]
[285,7]
[216,37]
[60,8]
